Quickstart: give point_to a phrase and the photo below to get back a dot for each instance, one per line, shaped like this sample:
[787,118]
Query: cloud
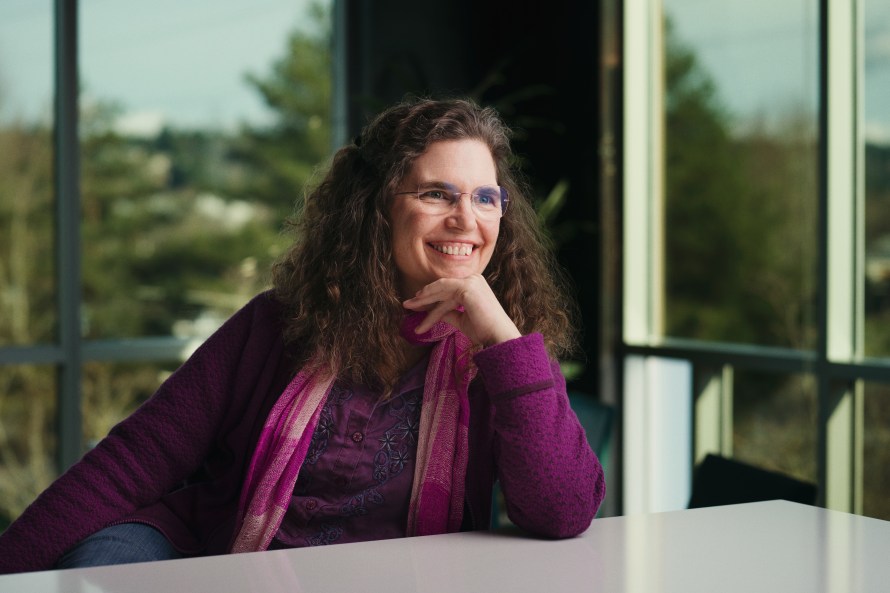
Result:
[877,133]
[141,124]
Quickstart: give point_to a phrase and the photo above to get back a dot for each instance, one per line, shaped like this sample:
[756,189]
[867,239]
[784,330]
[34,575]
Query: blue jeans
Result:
[120,544]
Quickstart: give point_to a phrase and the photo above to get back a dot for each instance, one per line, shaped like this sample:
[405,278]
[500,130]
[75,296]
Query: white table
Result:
[752,548]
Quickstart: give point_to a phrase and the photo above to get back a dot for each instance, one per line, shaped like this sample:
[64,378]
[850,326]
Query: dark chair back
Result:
[597,420]
[721,481]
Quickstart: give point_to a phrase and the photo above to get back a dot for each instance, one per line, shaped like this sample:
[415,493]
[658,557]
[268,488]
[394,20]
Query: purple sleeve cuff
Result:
[515,367]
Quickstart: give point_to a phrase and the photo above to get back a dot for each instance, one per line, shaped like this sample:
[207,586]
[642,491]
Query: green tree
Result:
[185,225]
[27,289]
[297,90]
[740,218]
[740,251]
[877,248]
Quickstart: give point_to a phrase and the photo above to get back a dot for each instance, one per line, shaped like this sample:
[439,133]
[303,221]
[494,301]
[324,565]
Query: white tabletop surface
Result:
[753,548]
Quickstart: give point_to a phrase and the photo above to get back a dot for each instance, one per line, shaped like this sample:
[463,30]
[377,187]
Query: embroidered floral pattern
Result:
[399,442]
[322,434]
[329,534]
[396,449]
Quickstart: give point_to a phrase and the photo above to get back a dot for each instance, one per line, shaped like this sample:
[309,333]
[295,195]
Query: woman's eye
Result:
[434,195]
[486,197]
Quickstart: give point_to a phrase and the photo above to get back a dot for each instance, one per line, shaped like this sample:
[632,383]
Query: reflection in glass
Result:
[877,177]
[200,124]
[775,422]
[27,271]
[112,391]
[876,458]
[740,171]
[27,436]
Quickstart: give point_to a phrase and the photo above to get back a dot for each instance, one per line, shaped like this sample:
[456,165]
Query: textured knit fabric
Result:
[179,462]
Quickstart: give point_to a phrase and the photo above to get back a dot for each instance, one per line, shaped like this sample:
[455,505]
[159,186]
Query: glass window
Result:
[200,124]
[27,272]
[877,178]
[27,436]
[775,422]
[876,458]
[112,391]
[740,171]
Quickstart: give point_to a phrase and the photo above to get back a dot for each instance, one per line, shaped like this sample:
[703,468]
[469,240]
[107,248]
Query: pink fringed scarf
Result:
[437,495]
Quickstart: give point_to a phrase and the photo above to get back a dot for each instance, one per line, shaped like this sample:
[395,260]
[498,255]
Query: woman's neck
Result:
[412,354]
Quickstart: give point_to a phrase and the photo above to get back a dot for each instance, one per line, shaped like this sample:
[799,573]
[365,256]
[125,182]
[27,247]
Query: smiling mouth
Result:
[454,249]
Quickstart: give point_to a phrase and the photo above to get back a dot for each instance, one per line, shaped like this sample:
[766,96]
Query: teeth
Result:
[454,250]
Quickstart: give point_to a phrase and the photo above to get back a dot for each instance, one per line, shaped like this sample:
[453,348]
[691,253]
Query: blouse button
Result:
[357,437]
[311,504]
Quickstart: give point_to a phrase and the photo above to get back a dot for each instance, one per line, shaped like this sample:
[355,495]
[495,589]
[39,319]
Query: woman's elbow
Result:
[560,517]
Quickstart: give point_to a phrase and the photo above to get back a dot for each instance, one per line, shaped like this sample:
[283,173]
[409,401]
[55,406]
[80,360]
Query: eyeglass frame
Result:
[456,196]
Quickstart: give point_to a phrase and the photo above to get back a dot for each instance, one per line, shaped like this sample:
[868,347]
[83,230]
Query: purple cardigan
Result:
[178,462]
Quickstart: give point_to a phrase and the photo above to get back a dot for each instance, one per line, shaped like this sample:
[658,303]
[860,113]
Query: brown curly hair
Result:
[338,281]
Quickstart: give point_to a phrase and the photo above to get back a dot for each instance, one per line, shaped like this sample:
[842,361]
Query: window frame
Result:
[838,363]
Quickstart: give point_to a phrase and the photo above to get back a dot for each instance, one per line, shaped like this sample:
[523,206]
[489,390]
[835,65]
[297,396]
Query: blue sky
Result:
[181,61]
[184,62]
[763,54]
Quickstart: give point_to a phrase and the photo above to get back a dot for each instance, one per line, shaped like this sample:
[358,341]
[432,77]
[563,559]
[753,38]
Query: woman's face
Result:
[421,240]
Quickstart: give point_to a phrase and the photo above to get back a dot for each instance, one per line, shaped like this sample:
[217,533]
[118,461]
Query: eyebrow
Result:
[438,185]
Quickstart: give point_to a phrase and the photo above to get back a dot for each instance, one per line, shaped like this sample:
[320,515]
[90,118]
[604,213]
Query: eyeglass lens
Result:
[488,200]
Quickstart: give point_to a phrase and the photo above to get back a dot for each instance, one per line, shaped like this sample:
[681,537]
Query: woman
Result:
[403,361]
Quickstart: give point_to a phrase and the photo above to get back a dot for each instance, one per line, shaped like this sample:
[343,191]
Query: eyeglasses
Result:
[489,202]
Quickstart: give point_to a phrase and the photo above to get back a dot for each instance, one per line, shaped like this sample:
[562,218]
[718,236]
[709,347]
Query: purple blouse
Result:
[356,481]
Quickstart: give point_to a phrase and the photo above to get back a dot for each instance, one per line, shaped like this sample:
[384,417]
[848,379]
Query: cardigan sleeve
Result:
[552,481]
[143,457]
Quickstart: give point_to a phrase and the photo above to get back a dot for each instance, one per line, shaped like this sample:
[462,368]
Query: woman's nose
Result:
[462,214]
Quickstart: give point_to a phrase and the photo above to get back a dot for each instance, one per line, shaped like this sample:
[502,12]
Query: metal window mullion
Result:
[858,205]
[148,349]
[340,67]
[857,413]
[41,354]
[642,154]
[713,422]
[842,248]
[645,397]
[67,189]
[636,285]
[610,310]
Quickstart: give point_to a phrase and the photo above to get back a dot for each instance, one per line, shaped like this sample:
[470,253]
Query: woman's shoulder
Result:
[259,319]
[264,306]
[266,301]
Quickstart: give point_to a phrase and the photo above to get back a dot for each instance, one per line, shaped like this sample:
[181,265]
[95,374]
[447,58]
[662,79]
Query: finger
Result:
[434,315]
[454,318]
[437,287]
[415,306]
[430,295]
